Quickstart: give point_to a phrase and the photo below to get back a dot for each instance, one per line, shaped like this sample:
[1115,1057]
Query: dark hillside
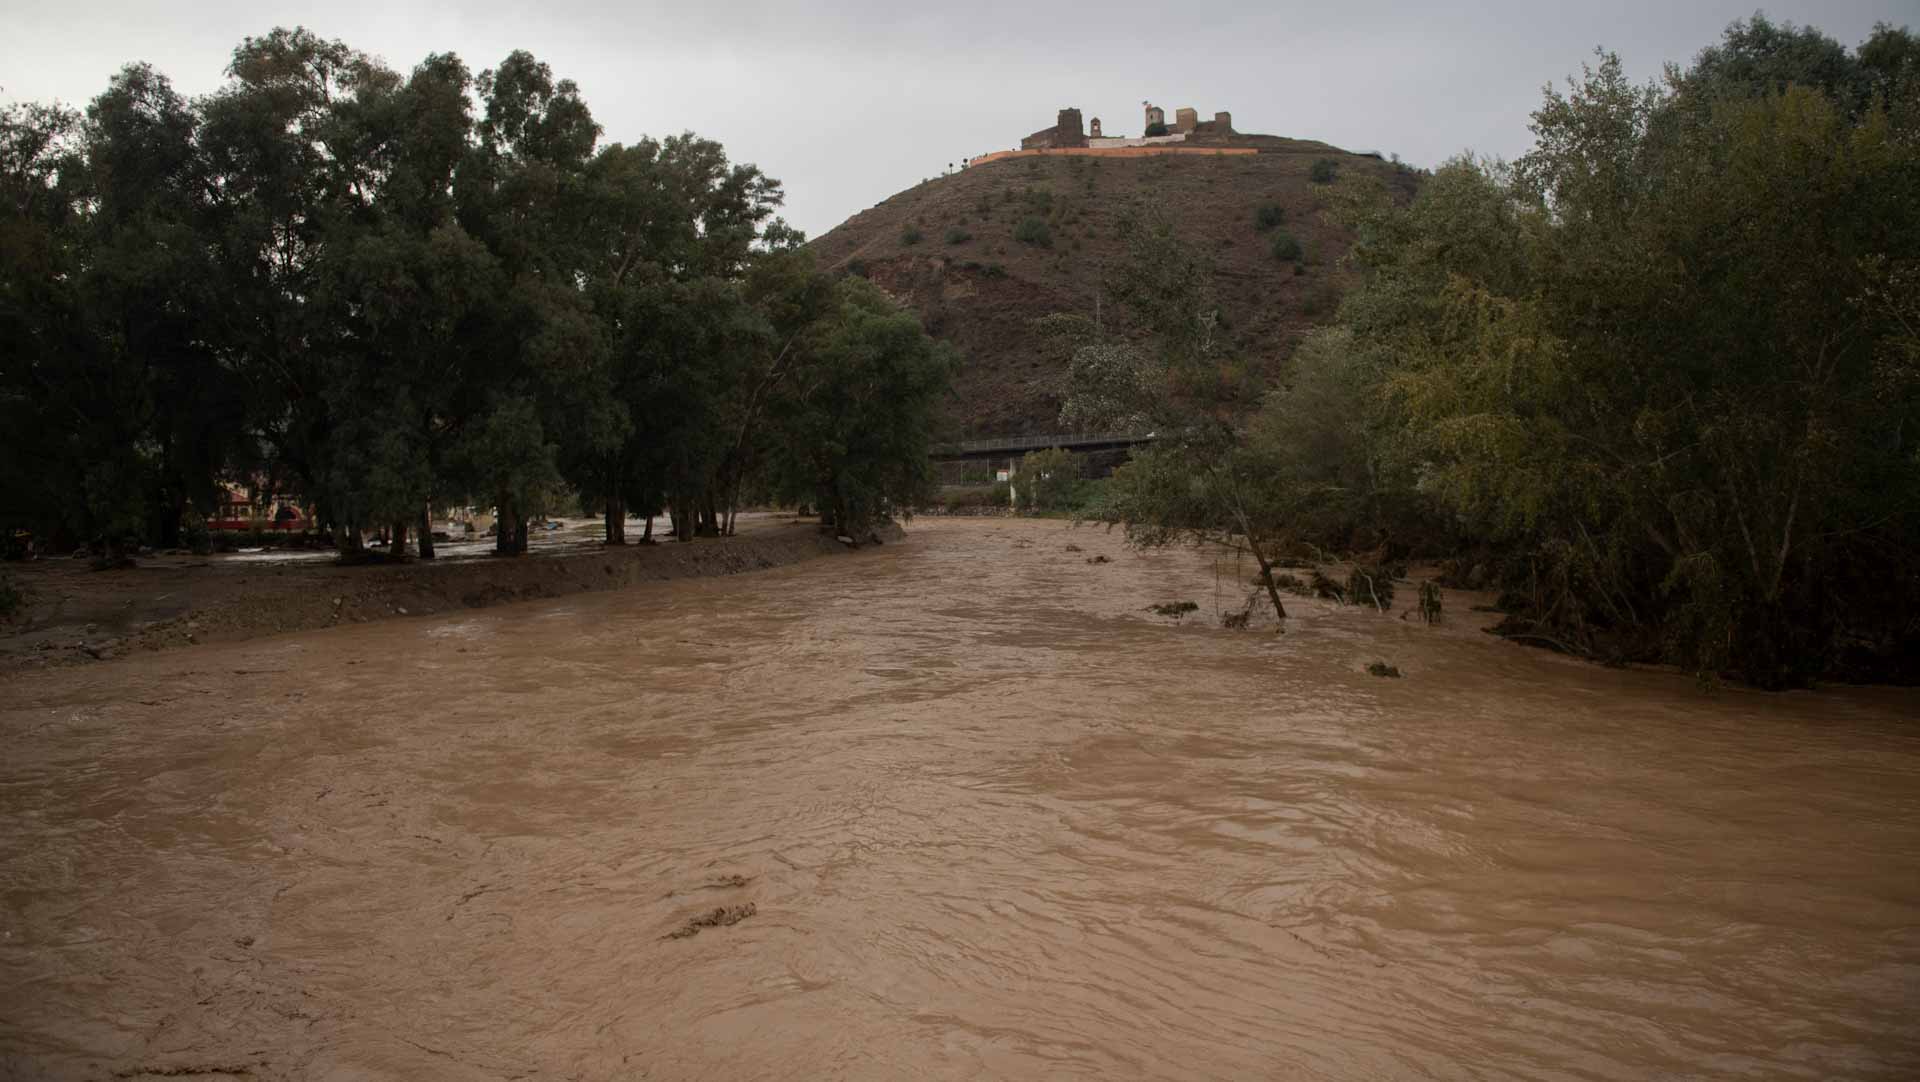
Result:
[949,248]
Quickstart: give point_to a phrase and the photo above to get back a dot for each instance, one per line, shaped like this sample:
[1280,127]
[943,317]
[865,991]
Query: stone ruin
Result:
[1066,132]
[1069,132]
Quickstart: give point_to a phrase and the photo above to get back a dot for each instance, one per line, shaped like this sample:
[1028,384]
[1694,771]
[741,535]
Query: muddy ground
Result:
[74,614]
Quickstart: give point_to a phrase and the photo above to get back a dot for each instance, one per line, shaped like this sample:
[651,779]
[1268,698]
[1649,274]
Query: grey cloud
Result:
[849,103]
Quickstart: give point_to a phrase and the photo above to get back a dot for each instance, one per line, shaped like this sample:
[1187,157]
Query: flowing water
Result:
[991,818]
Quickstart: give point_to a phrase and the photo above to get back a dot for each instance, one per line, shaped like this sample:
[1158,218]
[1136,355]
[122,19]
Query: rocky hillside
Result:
[966,252]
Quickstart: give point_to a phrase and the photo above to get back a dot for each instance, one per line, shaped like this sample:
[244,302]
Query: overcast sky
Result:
[852,103]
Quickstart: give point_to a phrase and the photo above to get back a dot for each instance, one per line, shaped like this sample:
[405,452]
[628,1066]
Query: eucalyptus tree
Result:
[857,414]
[42,320]
[289,177]
[675,225]
[524,192]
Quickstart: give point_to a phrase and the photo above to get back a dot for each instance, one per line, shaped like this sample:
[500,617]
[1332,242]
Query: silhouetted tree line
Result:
[381,290]
[1659,377]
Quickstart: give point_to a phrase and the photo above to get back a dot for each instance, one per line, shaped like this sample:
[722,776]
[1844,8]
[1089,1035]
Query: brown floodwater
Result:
[967,811]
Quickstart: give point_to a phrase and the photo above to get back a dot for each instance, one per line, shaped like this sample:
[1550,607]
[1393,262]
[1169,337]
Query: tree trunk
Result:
[646,535]
[397,547]
[503,529]
[616,520]
[520,528]
[347,540]
[168,535]
[1266,576]
[426,534]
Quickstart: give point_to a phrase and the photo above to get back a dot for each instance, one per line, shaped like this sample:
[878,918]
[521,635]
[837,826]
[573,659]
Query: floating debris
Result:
[720,917]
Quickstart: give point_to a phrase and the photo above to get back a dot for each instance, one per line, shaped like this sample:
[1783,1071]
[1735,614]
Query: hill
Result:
[948,247]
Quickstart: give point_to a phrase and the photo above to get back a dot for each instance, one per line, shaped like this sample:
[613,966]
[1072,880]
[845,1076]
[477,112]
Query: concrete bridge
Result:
[1015,446]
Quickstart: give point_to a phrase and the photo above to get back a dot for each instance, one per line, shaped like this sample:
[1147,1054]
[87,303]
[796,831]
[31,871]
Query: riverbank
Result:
[74,615]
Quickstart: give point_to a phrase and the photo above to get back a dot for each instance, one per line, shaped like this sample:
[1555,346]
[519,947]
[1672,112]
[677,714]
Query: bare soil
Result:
[982,293]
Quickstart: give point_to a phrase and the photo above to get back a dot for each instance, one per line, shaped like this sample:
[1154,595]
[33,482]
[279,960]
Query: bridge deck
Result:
[1019,445]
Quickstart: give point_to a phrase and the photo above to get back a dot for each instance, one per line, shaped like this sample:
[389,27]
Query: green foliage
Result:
[1430,609]
[1033,231]
[854,423]
[911,236]
[1323,171]
[993,270]
[976,498]
[1370,586]
[957,235]
[1286,247]
[1664,359]
[1049,480]
[374,289]
[1381,668]
[1156,129]
[1269,216]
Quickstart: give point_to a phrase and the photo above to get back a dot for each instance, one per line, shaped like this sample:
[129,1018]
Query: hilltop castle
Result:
[1068,131]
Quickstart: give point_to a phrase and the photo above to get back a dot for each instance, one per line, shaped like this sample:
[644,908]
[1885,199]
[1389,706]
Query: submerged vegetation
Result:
[378,290]
[1662,373]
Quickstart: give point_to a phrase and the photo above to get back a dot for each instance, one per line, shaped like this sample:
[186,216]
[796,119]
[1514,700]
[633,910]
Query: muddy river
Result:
[953,808]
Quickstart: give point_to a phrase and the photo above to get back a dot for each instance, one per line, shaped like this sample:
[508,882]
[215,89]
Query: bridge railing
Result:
[1020,444]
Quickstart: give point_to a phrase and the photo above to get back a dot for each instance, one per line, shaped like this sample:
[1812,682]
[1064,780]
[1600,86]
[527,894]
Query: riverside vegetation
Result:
[1659,377]
[1657,381]
[377,290]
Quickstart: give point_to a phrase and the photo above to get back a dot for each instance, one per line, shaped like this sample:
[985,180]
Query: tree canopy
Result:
[382,290]
[1660,371]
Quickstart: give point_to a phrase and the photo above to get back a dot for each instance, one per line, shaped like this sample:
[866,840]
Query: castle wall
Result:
[1108,152]
[1136,141]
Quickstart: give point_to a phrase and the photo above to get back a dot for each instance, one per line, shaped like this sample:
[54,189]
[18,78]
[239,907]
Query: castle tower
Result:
[1155,114]
[1185,119]
[1068,125]
[1094,132]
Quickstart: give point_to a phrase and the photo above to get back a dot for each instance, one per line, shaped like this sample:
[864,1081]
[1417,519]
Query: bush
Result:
[857,268]
[195,535]
[1033,231]
[957,235]
[1321,299]
[1269,217]
[994,270]
[964,499]
[1370,587]
[1286,247]
[1156,130]
[1049,480]
[1430,609]
[911,236]
[1324,171]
